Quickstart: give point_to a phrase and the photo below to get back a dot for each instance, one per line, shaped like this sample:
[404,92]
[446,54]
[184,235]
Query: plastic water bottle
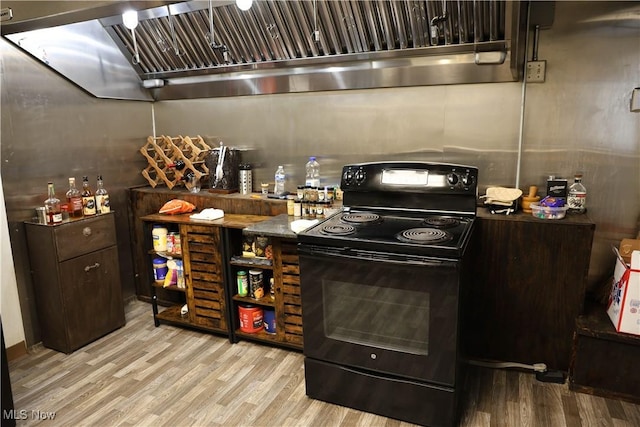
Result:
[280,178]
[312,173]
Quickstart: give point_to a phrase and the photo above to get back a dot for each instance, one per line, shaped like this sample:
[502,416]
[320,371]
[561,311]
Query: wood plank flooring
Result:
[141,375]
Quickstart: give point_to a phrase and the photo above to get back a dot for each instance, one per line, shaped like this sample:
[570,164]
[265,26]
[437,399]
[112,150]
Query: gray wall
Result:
[579,119]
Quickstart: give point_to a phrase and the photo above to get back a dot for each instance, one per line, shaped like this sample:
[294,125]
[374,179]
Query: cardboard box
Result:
[624,301]
[627,246]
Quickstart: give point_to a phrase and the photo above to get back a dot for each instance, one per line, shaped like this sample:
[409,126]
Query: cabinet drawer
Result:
[84,236]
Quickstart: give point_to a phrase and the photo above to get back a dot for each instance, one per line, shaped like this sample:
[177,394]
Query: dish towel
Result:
[208,214]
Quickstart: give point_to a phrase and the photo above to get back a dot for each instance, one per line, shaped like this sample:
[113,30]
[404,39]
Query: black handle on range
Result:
[362,255]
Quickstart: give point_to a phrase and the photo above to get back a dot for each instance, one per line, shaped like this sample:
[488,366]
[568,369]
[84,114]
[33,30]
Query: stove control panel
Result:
[410,176]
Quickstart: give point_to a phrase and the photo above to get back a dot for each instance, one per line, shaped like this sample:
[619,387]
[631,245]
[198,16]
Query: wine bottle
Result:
[178,165]
[88,199]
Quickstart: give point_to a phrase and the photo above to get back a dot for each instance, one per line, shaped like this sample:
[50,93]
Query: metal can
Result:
[256,284]
[177,246]
[243,283]
[170,240]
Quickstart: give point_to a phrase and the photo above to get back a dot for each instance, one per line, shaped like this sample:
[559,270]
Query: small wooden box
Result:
[604,362]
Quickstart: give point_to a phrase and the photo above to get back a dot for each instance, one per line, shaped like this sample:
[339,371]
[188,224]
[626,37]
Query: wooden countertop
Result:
[228,221]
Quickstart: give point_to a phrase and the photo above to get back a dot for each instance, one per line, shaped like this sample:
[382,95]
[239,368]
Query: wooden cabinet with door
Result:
[285,271]
[76,278]
[202,254]
[528,287]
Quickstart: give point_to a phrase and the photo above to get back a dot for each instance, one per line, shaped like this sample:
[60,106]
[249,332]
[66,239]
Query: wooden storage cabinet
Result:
[286,281]
[204,292]
[76,279]
[604,361]
[287,267]
[203,274]
[527,287]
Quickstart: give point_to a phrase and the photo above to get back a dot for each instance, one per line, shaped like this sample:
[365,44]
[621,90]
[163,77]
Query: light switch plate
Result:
[536,71]
[635,100]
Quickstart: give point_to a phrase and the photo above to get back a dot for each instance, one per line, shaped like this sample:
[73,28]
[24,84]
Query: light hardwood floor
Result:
[142,375]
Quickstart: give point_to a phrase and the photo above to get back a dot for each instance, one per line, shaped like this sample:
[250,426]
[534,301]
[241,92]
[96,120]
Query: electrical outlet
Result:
[536,71]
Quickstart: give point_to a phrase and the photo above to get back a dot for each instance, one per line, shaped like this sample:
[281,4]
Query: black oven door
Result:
[384,313]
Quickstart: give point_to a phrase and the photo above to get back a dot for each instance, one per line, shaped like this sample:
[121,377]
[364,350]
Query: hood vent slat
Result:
[274,30]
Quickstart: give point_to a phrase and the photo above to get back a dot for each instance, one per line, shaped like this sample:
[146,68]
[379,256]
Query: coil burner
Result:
[361,218]
[441,222]
[338,229]
[424,235]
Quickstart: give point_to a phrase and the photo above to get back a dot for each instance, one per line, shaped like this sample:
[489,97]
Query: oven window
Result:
[376,316]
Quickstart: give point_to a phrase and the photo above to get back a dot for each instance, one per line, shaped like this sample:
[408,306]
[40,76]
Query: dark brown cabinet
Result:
[527,287]
[76,280]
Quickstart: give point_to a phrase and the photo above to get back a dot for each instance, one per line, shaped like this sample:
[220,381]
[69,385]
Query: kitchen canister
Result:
[269,320]
[256,284]
[251,318]
[245,179]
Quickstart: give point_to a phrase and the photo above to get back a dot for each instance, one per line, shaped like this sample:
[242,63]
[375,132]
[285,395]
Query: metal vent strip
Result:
[174,39]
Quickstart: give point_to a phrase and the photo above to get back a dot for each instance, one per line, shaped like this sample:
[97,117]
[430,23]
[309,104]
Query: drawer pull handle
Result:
[89,267]
[86,231]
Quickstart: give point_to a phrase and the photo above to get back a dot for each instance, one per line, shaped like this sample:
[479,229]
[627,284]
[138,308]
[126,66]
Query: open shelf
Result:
[264,301]
[172,314]
[262,335]
[167,255]
[169,288]
[262,263]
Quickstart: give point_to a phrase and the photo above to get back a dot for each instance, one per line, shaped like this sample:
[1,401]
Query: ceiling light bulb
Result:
[244,4]
[130,19]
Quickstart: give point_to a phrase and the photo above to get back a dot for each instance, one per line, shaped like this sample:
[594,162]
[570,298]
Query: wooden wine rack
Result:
[163,151]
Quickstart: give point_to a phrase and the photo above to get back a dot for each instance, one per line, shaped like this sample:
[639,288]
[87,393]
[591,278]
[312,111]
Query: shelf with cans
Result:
[254,297]
[262,309]
[168,271]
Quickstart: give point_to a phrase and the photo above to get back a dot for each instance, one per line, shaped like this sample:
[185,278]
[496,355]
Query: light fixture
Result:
[130,19]
[244,4]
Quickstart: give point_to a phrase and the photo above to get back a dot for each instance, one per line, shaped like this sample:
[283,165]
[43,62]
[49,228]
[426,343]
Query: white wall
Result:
[9,304]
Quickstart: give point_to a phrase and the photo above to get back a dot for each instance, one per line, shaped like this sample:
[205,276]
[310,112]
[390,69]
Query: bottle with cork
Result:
[88,198]
[52,206]
[74,199]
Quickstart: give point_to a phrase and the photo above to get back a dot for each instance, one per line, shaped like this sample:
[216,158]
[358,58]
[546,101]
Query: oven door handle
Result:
[362,255]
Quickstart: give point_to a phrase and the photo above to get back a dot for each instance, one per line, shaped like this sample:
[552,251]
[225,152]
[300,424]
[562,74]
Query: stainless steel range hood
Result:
[199,49]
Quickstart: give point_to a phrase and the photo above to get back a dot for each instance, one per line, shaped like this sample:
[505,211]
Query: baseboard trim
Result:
[16,351]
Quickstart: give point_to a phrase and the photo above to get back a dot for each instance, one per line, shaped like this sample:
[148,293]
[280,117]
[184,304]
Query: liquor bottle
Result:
[88,199]
[52,206]
[312,169]
[577,199]
[280,177]
[102,198]
[74,199]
